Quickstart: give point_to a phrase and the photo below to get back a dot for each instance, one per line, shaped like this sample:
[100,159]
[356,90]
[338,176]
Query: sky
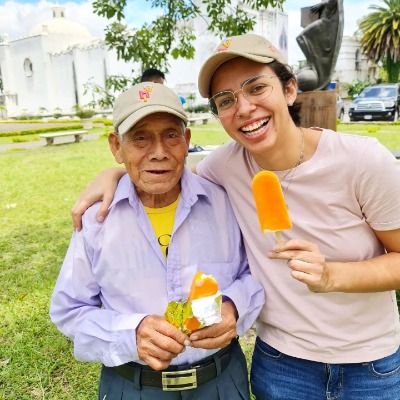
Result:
[17,18]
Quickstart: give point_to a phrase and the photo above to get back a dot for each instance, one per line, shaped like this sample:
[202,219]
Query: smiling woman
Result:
[343,243]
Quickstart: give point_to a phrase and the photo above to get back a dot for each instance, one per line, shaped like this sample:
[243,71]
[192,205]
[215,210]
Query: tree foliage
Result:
[356,87]
[172,33]
[380,36]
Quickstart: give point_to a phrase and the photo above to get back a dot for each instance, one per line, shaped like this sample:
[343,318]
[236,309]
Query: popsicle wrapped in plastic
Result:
[270,203]
[201,308]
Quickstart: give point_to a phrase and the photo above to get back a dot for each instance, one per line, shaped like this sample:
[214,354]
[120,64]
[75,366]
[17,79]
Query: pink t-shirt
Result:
[351,183]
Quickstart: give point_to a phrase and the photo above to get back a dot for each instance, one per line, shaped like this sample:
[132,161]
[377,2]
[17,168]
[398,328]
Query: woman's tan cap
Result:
[249,45]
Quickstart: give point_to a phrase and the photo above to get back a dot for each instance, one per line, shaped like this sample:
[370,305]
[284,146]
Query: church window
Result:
[358,60]
[1,83]
[28,69]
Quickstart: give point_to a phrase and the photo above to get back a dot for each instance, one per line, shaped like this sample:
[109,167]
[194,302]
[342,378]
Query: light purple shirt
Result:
[114,273]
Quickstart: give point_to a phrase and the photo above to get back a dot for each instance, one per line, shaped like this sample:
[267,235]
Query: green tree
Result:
[172,33]
[380,37]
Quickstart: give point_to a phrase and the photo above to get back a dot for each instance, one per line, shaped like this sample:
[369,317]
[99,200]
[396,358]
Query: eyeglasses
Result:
[254,89]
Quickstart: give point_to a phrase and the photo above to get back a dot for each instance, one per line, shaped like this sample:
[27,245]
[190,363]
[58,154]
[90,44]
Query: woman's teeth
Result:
[253,128]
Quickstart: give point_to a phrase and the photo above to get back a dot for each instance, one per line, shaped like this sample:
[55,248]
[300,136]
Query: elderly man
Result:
[163,226]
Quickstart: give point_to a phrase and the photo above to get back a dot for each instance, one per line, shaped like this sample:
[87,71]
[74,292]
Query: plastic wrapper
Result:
[201,308]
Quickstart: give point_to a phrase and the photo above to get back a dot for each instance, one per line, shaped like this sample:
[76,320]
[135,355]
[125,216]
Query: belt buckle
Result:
[179,380]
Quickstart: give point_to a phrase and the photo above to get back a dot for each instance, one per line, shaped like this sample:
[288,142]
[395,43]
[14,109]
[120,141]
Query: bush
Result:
[200,108]
[84,113]
[41,130]
[25,117]
[39,121]
[20,139]
[105,121]
[356,87]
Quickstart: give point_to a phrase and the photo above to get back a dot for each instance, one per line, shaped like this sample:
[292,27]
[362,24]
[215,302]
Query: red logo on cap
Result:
[225,45]
[144,93]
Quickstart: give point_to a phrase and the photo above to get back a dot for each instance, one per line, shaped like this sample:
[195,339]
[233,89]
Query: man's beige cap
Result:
[144,99]
[251,46]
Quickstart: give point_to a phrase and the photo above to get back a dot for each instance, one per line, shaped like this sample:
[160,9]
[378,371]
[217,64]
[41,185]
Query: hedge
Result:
[105,121]
[39,121]
[41,130]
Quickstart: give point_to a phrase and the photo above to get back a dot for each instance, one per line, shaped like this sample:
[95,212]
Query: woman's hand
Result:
[307,263]
[102,188]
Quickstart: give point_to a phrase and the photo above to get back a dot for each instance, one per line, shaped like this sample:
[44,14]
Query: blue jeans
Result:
[277,376]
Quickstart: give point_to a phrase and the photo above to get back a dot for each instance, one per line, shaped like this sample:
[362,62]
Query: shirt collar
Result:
[191,190]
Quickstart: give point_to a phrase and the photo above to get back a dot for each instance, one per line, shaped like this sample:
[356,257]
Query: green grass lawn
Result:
[38,189]
[388,134]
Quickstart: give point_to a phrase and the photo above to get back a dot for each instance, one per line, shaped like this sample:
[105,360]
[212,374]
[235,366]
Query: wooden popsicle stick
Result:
[278,236]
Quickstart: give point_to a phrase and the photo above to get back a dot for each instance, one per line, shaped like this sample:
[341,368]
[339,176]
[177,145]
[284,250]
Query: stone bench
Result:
[51,136]
[204,119]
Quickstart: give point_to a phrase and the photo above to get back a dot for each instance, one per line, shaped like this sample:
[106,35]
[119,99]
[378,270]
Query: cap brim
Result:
[215,61]
[136,116]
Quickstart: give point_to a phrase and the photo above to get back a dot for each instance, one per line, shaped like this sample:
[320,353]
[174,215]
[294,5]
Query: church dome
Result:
[59,25]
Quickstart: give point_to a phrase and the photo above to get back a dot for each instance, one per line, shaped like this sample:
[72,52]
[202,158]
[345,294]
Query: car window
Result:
[378,92]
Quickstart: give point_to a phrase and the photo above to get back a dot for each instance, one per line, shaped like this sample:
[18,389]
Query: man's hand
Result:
[158,342]
[307,263]
[217,335]
[102,188]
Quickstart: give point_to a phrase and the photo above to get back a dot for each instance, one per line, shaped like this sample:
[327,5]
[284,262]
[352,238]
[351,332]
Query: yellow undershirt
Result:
[162,220]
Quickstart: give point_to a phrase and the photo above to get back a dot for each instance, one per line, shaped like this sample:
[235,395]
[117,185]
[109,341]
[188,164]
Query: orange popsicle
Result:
[203,285]
[270,203]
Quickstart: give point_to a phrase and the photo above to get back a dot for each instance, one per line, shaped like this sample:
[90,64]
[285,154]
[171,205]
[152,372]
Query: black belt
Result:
[179,377]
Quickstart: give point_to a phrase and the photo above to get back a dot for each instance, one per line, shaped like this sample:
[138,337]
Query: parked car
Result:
[339,108]
[377,102]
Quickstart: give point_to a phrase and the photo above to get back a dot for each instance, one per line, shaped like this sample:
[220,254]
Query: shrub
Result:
[105,121]
[40,121]
[84,113]
[356,87]
[200,108]
[25,117]
[41,130]
[20,139]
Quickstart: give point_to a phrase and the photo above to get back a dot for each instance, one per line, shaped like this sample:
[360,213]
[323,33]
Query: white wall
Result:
[32,91]
[61,88]
[345,70]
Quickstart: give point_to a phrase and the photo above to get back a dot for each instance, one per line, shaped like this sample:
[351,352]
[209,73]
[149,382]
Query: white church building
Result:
[46,71]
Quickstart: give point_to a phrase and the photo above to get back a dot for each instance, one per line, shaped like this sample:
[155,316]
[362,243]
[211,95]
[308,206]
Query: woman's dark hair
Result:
[285,74]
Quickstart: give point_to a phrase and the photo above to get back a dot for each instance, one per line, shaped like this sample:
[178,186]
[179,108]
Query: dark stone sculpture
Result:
[320,42]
